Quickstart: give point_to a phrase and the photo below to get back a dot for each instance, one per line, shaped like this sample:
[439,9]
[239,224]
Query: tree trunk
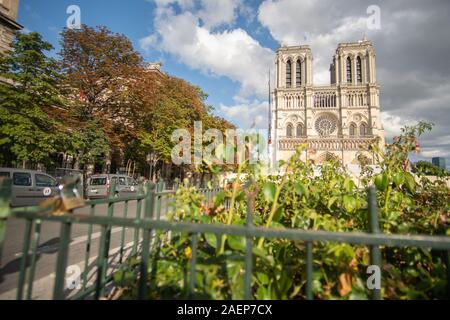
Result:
[76,164]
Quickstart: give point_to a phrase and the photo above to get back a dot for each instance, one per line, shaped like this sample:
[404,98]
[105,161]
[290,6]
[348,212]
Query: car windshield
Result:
[98,181]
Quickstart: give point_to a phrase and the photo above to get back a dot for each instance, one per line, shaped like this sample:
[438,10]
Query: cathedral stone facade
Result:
[8,23]
[339,120]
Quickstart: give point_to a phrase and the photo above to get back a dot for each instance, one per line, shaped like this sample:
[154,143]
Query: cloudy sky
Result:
[227,47]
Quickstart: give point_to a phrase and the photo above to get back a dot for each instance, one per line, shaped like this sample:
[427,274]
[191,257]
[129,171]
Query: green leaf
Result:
[331,201]
[357,294]
[124,278]
[263,278]
[240,196]
[262,293]
[349,185]
[264,255]
[269,189]
[399,179]
[382,181]
[410,182]
[211,239]
[278,214]
[317,283]
[218,199]
[301,189]
[350,203]
[236,243]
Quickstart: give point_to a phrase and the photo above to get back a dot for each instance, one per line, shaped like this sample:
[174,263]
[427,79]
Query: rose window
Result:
[326,125]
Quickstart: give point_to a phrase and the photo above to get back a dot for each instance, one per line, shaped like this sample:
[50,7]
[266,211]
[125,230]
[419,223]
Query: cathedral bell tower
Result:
[339,120]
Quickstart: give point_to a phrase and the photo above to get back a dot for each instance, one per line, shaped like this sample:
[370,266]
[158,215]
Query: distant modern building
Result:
[8,23]
[340,120]
[439,162]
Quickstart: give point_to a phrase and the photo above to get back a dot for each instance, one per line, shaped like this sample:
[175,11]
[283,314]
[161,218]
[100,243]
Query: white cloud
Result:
[247,114]
[319,24]
[231,53]
[218,12]
[434,152]
[414,81]
[184,4]
[393,123]
[431,145]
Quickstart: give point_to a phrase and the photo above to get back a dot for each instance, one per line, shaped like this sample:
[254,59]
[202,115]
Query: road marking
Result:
[43,287]
[74,242]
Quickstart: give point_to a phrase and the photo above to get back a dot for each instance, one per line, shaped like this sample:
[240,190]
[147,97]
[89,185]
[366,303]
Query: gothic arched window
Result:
[352,129]
[288,74]
[359,70]
[289,129]
[298,73]
[349,70]
[299,130]
[363,129]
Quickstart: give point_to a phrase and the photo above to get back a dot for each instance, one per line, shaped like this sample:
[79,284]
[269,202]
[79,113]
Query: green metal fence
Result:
[151,205]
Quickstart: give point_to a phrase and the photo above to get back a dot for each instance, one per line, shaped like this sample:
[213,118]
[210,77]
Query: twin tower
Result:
[339,120]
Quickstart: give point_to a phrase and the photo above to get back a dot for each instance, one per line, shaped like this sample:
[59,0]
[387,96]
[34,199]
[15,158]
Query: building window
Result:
[299,130]
[359,70]
[298,73]
[326,124]
[289,130]
[349,70]
[45,181]
[352,129]
[22,179]
[363,129]
[288,74]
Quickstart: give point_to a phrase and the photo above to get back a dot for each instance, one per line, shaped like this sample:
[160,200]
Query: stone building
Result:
[339,120]
[8,24]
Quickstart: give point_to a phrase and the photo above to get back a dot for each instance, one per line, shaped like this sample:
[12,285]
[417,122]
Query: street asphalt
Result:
[48,249]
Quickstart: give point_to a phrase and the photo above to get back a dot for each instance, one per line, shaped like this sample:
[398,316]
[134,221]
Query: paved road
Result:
[48,248]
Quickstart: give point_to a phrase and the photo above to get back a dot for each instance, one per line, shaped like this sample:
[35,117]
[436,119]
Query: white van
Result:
[99,185]
[29,187]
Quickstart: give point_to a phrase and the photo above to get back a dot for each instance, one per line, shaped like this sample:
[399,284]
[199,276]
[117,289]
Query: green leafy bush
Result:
[299,199]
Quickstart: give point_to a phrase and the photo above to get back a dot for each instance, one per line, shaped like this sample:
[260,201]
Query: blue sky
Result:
[134,19]
[227,47]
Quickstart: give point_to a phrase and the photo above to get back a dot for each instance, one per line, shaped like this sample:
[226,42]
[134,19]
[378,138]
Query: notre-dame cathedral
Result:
[339,120]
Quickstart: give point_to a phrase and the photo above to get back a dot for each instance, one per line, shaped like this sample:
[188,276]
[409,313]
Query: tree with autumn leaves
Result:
[108,106]
[139,108]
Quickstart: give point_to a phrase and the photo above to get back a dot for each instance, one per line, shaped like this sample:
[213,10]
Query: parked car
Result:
[29,187]
[99,185]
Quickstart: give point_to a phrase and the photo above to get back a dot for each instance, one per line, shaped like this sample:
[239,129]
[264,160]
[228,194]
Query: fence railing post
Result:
[142,190]
[24,259]
[249,249]
[5,195]
[34,253]
[193,265]
[447,253]
[61,261]
[309,270]
[105,239]
[374,225]
[148,215]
